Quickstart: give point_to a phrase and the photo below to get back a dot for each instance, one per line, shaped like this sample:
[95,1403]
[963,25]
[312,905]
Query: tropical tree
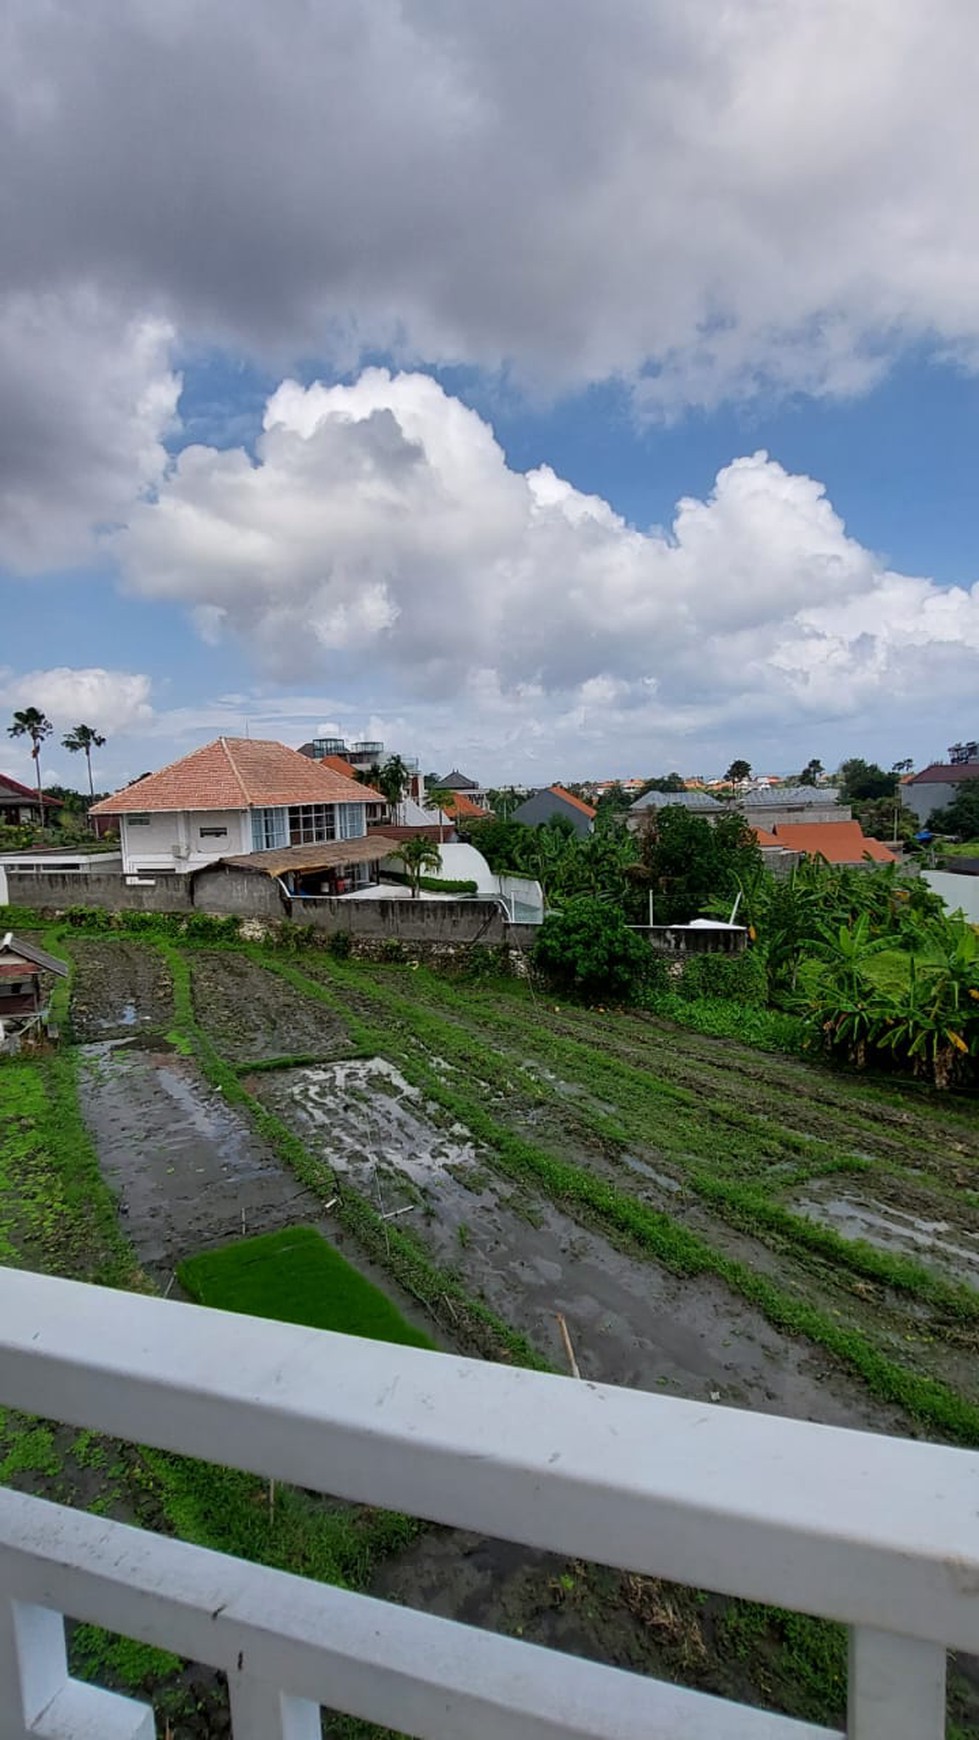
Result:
[438,798]
[418,855]
[588,950]
[812,772]
[33,724]
[84,738]
[738,773]
[961,816]
[864,779]
[393,780]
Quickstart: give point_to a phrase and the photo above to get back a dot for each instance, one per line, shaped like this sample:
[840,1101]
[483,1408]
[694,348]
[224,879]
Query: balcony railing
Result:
[880,1533]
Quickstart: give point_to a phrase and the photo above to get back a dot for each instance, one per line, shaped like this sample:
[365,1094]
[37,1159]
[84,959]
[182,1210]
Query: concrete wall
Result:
[773,816]
[59,889]
[249,893]
[930,795]
[544,806]
[960,893]
[462,921]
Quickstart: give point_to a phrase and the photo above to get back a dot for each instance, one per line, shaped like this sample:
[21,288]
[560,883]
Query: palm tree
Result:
[418,855]
[393,780]
[33,724]
[437,797]
[84,738]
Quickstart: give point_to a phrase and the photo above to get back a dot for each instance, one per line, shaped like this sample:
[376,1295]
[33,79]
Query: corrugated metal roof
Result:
[785,796]
[329,855]
[687,800]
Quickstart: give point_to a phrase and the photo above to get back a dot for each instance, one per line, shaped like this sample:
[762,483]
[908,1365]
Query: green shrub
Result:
[435,884]
[340,945]
[589,951]
[726,978]
[392,949]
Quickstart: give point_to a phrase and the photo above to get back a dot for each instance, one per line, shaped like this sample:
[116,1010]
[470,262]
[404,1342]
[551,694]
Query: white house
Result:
[236,795]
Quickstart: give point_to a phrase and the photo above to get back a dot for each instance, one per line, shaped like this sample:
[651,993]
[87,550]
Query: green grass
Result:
[294,1276]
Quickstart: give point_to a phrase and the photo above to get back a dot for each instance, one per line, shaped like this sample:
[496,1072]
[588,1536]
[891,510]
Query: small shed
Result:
[22,992]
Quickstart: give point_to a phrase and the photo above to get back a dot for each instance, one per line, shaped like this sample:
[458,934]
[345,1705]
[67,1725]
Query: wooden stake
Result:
[569,1350]
[271,1502]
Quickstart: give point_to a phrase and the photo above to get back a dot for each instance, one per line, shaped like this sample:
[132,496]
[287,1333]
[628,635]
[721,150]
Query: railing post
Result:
[33,1665]
[37,1697]
[259,1712]
[896,1687]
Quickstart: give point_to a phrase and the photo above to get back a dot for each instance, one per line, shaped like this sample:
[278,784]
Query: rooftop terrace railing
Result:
[878,1532]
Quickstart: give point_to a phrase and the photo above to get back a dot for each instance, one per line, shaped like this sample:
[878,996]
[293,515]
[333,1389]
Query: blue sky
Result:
[369,398]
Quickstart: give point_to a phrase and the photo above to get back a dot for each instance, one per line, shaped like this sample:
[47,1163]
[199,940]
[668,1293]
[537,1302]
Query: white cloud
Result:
[113,702]
[697,197]
[87,395]
[380,536]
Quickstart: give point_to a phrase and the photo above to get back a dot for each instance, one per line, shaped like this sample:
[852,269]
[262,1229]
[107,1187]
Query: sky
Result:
[555,392]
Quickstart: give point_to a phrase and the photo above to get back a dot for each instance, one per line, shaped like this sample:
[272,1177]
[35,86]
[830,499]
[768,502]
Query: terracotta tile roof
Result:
[395,831]
[767,841]
[458,804]
[837,842]
[234,773]
[575,802]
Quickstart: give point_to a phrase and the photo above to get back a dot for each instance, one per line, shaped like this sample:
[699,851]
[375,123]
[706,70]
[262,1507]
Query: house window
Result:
[310,824]
[214,833]
[269,829]
[138,821]
[350,821]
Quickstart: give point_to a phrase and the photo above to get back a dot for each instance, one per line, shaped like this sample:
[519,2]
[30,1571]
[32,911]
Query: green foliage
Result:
[340,945]
[768,1029]
[812,772]
[438,884]
[961,816]
[587,950]
[418,855]
[886,818]
[864,779]
[294,1276]
[729,978]
[686,861]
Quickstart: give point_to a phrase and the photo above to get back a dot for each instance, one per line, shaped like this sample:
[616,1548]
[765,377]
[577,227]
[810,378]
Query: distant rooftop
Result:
[779,797]
[687,800]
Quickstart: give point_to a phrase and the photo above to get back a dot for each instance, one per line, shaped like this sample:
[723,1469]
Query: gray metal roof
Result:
[15,945]
[687,800]
[778,797]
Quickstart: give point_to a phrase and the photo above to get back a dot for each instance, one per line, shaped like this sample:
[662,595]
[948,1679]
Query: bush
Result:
[340,945]
[589,951]
[435,884]
[725,978]
[393,949]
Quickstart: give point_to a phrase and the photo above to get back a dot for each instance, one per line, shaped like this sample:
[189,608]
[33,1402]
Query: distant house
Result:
[234,796]
[460,782]
[553,801]
[769,808]
[458,806]
[694,799]
[838,842]
[938,785]
[18,803]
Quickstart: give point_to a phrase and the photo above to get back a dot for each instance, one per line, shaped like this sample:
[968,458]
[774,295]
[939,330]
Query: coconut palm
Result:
[438,798]
[418,855]
[84,738]
[33,724]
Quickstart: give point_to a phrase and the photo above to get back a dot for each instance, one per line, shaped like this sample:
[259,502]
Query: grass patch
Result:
[295,1276]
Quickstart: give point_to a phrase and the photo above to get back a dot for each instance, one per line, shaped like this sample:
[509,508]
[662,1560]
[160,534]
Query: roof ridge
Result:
[246,794]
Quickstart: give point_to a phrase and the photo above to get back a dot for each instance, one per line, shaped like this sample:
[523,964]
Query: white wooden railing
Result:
[880,1533]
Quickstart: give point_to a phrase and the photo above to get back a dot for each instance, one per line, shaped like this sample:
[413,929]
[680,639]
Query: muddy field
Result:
[673,1121]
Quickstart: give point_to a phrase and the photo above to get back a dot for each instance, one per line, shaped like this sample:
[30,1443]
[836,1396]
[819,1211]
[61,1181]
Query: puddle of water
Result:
[941,1242]
[630,1322]
[371,1116]
[127,1015]
[643,1167]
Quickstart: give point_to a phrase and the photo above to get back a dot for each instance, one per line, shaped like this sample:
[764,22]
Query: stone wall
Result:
[449,921]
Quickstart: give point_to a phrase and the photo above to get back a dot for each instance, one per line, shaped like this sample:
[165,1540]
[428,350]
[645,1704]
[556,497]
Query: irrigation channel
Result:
[534,1182]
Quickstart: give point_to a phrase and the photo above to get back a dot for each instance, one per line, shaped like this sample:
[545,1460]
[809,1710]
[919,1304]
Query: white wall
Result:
[171,840]
[960,893]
